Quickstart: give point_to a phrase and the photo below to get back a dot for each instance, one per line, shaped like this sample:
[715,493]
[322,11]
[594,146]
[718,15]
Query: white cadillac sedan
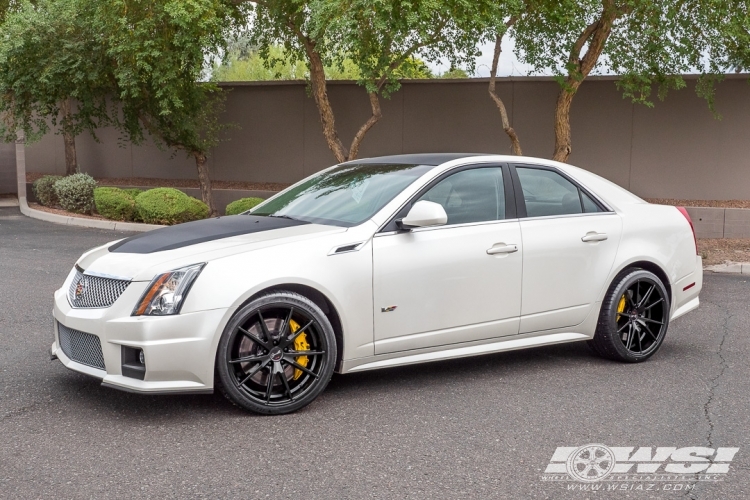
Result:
[376,263]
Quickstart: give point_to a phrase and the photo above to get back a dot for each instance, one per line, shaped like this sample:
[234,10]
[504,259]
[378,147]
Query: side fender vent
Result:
[351,247]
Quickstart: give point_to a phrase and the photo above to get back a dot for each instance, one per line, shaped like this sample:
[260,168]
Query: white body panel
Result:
[453,298]
[446,287]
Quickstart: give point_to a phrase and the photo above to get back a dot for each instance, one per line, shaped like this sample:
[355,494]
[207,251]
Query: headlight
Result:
[166,293]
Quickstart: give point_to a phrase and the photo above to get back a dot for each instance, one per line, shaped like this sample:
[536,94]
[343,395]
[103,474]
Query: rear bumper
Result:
[686,291]
[179,350]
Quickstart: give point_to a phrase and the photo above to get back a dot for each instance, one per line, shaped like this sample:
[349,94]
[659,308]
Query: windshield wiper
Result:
[286,217]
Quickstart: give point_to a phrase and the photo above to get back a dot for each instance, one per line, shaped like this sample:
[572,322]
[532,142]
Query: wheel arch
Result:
[649,266]
[320,300]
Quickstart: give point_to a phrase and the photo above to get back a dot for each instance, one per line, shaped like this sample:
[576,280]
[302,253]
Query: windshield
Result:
[344,196]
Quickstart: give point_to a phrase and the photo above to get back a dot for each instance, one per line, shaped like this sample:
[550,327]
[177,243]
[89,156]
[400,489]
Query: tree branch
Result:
[515,143]
[376,115]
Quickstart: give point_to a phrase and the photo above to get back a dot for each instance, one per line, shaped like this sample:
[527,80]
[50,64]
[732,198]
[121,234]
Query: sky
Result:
[508,65]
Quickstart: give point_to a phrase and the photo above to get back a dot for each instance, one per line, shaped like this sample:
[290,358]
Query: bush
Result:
[76,193]
[114,203]
[44,190]
[243,205]
[168,206]
[133,192]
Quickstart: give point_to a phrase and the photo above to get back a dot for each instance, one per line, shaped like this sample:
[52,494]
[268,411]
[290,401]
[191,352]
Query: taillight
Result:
[692,228]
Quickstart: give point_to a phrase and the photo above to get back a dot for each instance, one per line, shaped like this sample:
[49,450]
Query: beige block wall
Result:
[676,149]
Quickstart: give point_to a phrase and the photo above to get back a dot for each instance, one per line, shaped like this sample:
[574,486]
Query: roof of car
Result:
[414,159]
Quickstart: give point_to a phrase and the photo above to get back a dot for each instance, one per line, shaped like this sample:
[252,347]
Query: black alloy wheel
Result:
[277,354]
[634,317]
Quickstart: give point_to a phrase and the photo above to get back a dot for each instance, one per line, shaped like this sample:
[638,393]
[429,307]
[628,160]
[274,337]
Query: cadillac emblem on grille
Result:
[88,291]
[81,287]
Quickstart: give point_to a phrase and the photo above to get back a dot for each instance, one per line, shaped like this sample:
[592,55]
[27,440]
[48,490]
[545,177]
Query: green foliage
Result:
[651,42]
[133,192]
[249,65]
[383,39]
[44,190]
[76,193]
[169,206]
[114,203]
[242,205]
[50,52]
[455,73]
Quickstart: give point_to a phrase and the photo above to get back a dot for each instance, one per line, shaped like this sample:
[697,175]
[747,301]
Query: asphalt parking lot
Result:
[481,427]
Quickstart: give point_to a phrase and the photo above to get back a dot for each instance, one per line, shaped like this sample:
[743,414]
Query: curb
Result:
[81,222]
[730,268]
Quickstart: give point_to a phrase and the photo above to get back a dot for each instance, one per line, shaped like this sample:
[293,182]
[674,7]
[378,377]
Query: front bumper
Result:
[179,350]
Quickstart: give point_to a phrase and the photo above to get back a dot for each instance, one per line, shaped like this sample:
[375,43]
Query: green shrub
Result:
[114,203]
[168,206]
[133,192]
[76,193]
[242,205]
[44,190]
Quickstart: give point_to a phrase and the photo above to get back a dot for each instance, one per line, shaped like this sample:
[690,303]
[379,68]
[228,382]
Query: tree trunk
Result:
[376,115]
[562,125]
[514,142]
[320,94]
[205,182]
[71,162]
[596,35]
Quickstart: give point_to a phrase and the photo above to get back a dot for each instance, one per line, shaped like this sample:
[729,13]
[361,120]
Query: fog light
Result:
[141,357]
[133,362]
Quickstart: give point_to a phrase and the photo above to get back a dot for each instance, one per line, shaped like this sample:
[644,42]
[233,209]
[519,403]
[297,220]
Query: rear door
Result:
[455,283]
[570,240]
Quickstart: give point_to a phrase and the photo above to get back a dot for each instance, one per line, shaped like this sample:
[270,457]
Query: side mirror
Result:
[424,214]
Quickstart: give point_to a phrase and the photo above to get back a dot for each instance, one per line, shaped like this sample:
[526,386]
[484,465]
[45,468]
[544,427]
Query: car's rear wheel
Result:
[277,354]
[634,318]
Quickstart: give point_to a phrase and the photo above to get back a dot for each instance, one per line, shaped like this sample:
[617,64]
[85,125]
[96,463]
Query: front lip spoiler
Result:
[158,393]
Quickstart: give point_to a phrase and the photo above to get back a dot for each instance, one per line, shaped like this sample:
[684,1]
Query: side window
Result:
[474,195]
[549,193]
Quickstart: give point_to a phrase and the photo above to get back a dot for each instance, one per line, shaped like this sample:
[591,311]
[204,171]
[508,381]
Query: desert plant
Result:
[76,193]
[242,205]
[44,190]
[114,203]
[169,206]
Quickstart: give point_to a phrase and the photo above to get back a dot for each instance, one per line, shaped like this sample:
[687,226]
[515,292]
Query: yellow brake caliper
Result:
[300,344]
[621,305]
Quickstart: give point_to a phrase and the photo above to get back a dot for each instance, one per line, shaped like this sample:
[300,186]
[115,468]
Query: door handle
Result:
[501,248]
[594,236]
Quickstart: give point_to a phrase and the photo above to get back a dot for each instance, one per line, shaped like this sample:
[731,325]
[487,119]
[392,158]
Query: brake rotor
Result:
[250,348]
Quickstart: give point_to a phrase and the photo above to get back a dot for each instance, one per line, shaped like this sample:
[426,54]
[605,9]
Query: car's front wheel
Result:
[277,354]
[634,318]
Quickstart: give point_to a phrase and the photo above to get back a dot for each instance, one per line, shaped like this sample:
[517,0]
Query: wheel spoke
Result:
[653,304]
[263,327]
[287,322]
[300,367]
[290,340]
[254,337]
[253,372]
[286,386]
[630,337]
[623,327]
[247,359]
[305,353]
[649,320]
[269,386]
[647,296]
[629,296]
[640,345]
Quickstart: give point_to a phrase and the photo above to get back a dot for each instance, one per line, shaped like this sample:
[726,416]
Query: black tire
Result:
[634,318]
[257,362]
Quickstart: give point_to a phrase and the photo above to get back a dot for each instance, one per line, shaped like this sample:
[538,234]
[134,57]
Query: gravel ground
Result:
[473,428]
[718,251]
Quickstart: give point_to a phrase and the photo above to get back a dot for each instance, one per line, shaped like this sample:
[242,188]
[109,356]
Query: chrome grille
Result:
[81,347]
[94,291]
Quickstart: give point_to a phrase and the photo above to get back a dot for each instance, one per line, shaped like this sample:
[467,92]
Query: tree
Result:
[509,131]
[648,42]
[159,51]
[380,37]
[53,72]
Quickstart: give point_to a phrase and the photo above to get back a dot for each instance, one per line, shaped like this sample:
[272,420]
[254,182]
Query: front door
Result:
[454,283]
